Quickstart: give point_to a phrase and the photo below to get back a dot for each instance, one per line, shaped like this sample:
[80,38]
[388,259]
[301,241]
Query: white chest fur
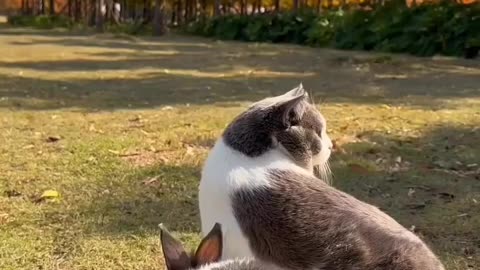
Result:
[225,171]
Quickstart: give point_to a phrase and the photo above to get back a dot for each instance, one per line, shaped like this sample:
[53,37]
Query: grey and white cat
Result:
[258,182]
[207,254]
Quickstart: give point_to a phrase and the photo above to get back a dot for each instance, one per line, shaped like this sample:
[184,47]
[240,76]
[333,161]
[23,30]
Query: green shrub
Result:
[41,21]
[443,28]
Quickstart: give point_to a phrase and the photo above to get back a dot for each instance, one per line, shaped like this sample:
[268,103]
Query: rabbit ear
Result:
[210,248]
[175,256]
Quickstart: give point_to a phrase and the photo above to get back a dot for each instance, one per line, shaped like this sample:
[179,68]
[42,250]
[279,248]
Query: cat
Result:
[259,182]
[207,254]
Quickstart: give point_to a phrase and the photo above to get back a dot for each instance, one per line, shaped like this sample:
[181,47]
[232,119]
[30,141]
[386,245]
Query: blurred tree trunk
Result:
[77,11]
[41,4]
[295,5]
[51,7]
[203,8]
[179,12]
[159,27]
[69,8]
[243,7]
[277,5]
[99,15]
[92,13]
[216,8]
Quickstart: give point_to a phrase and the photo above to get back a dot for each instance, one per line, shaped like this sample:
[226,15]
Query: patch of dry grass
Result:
[135,119]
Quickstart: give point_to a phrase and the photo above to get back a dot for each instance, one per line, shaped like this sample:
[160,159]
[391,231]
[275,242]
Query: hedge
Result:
[443,28]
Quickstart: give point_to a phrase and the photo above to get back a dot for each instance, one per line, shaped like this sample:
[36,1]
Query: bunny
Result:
[259,181]
[207,255]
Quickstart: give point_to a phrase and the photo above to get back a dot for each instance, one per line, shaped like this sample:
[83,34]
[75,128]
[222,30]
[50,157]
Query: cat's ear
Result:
[175,256]
[210,248]
[297,91]
[289,111]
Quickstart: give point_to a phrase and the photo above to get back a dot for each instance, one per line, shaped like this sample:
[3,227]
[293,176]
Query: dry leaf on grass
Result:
[49,195]
[52,139]
[12,193]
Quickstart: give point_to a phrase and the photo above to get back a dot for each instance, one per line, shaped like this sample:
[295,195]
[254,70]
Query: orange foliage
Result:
[418,2]
[16,5]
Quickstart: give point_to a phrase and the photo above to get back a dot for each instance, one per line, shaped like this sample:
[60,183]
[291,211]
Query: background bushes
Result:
[443,28]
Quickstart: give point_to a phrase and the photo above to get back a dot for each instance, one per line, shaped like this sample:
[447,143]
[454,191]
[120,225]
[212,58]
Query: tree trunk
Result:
[295,5]
[277,5]
[99,15]
[92,13]
[216,8]
[159,27]
[41,3]
[51,7]
[179,12]
[243,7]
[69,8]
[203,8]
[77,11]
[186,11]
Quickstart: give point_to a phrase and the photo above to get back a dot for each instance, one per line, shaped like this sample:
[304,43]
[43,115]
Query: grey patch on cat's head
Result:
[301,223]
[289,122]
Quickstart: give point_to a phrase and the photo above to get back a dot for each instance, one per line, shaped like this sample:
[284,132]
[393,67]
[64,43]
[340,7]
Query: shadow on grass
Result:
[139,202]
[109,73]
[429,184]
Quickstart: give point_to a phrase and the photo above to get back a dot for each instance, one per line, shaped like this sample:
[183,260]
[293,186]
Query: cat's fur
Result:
[258,182]
[206,256]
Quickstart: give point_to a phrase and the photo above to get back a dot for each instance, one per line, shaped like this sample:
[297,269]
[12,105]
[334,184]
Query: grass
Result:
[131,120]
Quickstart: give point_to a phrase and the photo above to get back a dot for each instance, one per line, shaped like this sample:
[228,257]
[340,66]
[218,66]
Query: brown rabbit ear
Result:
[210,248]
[175,256]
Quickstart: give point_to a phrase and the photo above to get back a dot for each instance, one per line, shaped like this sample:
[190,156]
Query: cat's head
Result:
[289,122]
[208,251]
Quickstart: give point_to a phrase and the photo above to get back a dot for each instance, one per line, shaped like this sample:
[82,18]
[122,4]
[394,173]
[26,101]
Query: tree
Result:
[51,7]
[159,27]
[216,8]
[99,15]
[277,5]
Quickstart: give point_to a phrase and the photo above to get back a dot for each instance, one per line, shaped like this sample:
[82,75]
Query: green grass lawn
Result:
[120,126]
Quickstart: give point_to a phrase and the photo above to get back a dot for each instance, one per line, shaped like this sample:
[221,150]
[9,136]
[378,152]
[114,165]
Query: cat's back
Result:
[301,222]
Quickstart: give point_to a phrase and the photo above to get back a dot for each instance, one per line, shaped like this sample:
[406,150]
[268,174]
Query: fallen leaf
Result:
[150,180]
[416,206]
[190,150]
[12,193]
[468,251]
[135,119]
[49,196]
[51,139]
[30,146]
[446,196]
[167,108]
[114,152]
